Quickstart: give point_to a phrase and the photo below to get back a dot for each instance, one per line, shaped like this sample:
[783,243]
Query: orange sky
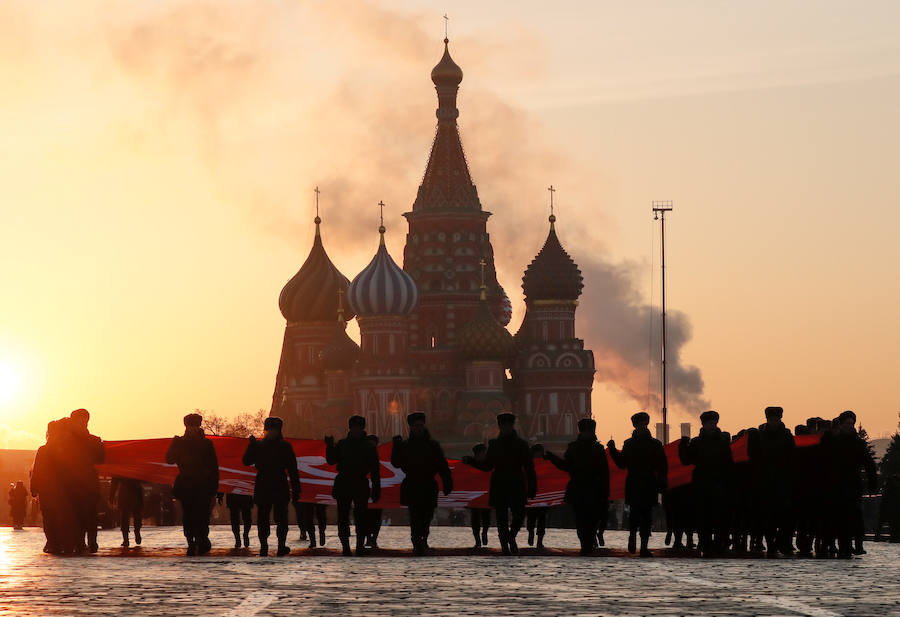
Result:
[158,160]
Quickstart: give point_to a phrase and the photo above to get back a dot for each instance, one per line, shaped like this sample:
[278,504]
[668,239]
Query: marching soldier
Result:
[771,452]
[357,461]
[710,453]
[513,480]
[588,488]
[276,465]
[196,483]
[481,517]
[644,458]
[421,458]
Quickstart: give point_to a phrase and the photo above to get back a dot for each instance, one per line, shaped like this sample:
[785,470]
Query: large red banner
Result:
[144,459]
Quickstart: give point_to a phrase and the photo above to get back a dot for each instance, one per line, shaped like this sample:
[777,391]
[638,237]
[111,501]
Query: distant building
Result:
[433,334]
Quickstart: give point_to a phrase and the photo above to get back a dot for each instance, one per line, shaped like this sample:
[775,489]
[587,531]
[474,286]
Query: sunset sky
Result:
[157,161]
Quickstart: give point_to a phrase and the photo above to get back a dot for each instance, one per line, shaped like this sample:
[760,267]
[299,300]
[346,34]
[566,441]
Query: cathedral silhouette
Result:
[433,332]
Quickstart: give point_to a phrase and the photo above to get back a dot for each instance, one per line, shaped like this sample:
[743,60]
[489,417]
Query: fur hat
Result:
[358,421]
[416,416]
[193,420]
[706,416]
[641,417]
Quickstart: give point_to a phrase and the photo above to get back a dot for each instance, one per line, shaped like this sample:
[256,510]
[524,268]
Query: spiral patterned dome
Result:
[382,288]
[483,338]
[312,293]
[552,274]
[341,352]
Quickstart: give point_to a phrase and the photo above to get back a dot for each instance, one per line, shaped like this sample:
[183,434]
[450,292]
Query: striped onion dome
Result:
[502,310]
[382,288]
[312,293]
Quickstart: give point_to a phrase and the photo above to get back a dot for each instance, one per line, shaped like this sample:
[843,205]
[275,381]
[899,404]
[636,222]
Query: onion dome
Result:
[552,274]
[483,338]
[382,288]
[502,311]
[446,72]
[312,293]
[341,352]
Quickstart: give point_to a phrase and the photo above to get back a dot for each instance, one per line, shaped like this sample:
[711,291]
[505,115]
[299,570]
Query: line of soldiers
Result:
[760,504]
[65,481]
[781,489]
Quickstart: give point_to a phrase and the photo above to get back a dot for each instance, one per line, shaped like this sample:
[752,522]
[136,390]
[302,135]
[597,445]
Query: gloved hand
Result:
[611,444]
[329,440]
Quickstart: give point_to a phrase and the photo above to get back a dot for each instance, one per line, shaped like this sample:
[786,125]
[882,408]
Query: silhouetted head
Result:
[846,421]
[416,422]
[587,425]
[822,425]
[774,414]
[193,420]
[357,425]
[507,423]
[373,439]
[80,418]
[640,420]
[537,450]
[801,429]
[709,419]
[272,426]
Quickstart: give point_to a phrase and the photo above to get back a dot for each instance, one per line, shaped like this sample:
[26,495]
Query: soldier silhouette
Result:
[373,515]
[277,483]
[84,451]
[588,488]
[536,516]
[847,453]
[18,503]
[357,461]
[644,458]
[240,510]
[196,483]
[771,450]
[710,453]
[481,517]
[513,480]
[127,494]
[421,458]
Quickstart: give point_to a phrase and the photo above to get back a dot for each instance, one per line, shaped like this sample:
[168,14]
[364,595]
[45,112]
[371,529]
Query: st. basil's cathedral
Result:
[433,333]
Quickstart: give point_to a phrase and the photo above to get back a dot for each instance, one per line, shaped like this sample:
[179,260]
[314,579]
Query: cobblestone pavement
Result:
[156,579]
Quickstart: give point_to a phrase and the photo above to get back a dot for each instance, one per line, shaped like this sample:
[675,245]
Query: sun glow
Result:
[10,382]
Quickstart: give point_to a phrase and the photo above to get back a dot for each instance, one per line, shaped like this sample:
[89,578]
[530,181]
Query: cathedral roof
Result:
[483,338]
[382,288]
[312,293]
[447,184]
[341,352]
[552,274]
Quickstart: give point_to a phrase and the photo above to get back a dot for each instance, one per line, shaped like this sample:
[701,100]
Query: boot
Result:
[237,540]
[632,542]
[191,549]
[263,549]
[283,549]
[531,537]
[125,542]
[321,537]
[360,546]
[137,536]
[645,552]
[540,541]
[312,540]
[513,547]
[484,537]
[246,539]
[345,547]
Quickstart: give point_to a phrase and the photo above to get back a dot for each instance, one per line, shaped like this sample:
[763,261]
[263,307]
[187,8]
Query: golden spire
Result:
[483,263]
[317,220]
[381,228]
[552,216]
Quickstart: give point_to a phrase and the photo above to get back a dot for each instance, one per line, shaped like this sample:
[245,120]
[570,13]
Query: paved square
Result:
[156,579]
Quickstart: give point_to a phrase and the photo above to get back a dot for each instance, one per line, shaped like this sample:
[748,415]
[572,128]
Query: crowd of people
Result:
[777,495]
[65,480]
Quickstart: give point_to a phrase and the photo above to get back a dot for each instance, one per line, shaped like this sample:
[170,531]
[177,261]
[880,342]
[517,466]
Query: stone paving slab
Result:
[157,579]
